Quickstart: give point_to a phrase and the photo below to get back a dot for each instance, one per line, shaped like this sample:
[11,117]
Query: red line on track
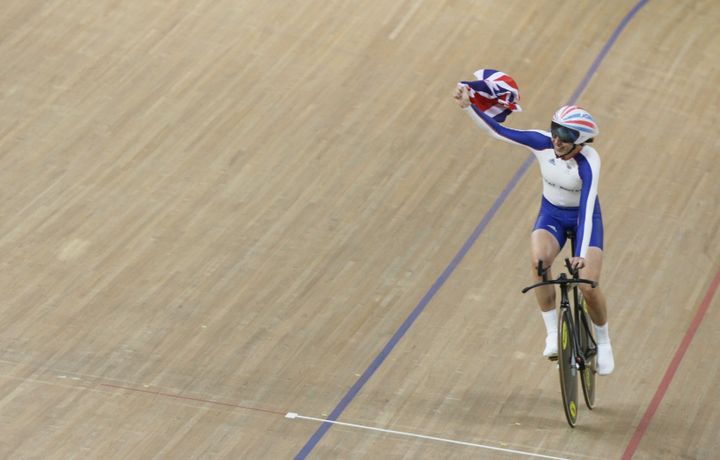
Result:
[670,372]
[190,398]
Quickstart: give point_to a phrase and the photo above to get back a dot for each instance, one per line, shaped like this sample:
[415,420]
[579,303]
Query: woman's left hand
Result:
[577,263]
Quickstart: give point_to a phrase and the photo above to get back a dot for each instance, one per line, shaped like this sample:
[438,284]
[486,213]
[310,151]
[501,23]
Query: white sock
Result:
[550,318]
[601,333]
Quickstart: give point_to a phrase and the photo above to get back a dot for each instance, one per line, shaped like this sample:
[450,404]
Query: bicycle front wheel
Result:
[567,366]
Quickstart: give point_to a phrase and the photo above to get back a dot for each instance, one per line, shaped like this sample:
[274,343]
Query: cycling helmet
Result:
[573,124]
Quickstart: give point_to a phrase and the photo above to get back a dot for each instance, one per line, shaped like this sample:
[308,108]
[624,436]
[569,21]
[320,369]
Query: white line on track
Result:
[294,415]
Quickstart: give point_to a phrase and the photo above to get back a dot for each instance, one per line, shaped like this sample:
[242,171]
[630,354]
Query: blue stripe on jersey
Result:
[532,139]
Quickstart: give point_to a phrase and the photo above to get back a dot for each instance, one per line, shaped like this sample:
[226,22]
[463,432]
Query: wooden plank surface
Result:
[218,212]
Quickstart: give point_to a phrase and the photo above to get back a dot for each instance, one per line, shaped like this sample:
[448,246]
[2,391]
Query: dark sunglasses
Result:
[567,135]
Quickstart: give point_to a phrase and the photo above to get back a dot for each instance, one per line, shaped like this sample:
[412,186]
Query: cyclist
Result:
[570,171]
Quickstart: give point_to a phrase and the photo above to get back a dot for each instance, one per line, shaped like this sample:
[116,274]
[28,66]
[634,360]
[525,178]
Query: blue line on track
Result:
[380,358]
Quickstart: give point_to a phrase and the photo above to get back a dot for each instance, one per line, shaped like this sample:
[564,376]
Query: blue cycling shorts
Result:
[558,220]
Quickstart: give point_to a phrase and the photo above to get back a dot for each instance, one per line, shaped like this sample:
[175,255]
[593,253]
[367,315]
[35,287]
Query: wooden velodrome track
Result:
[218,212]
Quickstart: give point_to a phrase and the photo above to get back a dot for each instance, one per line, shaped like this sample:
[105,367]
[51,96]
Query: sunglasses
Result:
[567,135]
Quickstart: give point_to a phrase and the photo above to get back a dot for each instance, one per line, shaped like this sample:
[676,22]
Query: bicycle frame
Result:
[564,283]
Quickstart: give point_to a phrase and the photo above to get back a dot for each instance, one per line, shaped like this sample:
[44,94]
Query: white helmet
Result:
[573,124]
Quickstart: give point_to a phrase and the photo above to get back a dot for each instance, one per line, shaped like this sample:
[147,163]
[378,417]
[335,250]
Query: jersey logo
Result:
[553,228]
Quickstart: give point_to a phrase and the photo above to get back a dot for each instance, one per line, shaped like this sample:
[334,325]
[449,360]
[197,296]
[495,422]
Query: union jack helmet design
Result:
[579,120]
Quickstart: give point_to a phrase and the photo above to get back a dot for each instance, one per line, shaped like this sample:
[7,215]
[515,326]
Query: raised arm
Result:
[534,140]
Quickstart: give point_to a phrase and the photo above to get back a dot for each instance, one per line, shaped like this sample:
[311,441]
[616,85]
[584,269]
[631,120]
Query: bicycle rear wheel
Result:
[588,348]
[567,366]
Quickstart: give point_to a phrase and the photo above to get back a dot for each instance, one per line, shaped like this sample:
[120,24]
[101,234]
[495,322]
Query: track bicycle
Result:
[577,349]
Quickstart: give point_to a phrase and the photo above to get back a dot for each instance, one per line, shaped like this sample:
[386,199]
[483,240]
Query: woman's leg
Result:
[544,247]
[597,308]
[595,298]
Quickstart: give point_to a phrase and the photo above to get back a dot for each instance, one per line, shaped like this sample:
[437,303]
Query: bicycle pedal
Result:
[553,358]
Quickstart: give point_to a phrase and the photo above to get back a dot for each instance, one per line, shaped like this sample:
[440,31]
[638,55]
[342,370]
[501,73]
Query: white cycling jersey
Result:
[571,183]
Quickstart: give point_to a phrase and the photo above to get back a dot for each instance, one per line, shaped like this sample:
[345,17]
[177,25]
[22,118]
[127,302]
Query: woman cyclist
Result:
[570,170]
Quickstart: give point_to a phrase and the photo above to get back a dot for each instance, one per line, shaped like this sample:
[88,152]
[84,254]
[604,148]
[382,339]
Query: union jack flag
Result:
[495,93]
